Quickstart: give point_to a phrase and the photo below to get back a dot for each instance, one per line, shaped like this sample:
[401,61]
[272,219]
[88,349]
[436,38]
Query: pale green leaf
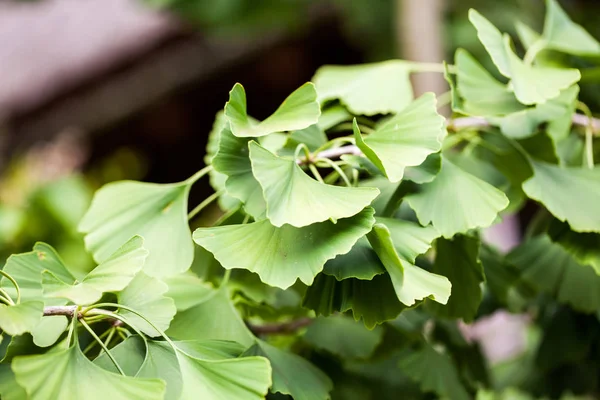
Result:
[157,212]
[48,331]
[187,290]
[20,318]
[526,34]
[332,116]
[411,283]
[368,89]
[491,38]
[145,295]
[280,256]
[9,388]
[410,239]
[406,139]
[112,275]
[458,260]
[562,34]
[68,374]
[343,337]
[571,194]
[434,372]
[360,262]
[296,199]
[293,374]
[456,201]
[426,171]
[233,161]
[313,137]
[298,111]
[130,354]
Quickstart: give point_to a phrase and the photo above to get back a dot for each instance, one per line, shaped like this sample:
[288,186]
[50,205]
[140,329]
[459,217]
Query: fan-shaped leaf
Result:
[411,283]
[144,294]
[570,194]
[9,388]
[410,239]
[585,247]
[187,290]
[406,139]
[426,171]
[294,198]
[282,255]
[456,201]
[20,318]
[298,111]
[292,374]
[48,331]
[156,212]
[360,262]
[562,34]
[491,38]
[367,89]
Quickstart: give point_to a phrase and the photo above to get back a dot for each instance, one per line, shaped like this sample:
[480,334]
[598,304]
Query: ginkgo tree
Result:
[349,253]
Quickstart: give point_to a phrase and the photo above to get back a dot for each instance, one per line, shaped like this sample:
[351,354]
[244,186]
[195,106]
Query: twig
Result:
[60,310]
[282,328]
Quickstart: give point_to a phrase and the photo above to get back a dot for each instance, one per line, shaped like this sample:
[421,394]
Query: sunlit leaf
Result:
[406,139]
[435,372]
[157,212]
[426,171]
[410,239]
[368,89]
[280,256]
[20,318]
[112,275]
[411,283]
[343,337]
[458,260]
[491,38]
[68,374]
[49,330]
[145,295]
[298,111]
[570,194]
[293,374]
[294,198]
[187,290]
[562,34]
[456,201]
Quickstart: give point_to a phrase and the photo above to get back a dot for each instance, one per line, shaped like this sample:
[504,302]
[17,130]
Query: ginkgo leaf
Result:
[187,290]
[9,388]
[533,84]
[296,199]
[68,374]
[20,318]
[549,268]
[343,336]
[360,262]
[458,260]
[491,38]
[293,374]
[112,275]
[571,194]
[327,296]
[585,247]
[456,201]
[435,372]
[562,34]
[282,255]
[157,212]
[411,283]
[426,171]
[298,111]
[233,160]
[49,330]
[313,137]
[368,89]
[410,239]
[406,139]
[144,294]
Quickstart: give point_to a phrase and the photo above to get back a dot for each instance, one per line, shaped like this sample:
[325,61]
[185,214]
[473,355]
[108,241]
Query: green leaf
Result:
[410,239]
[20,318]
[360,262]
[298,111]
[233,160]
[532,84]
[68,374]
[199,322]
[435,372]
[144,294]
[292,374]
[549,268]
[500,276]
[456,201]
[121,210]
[562,34]
[327,296]
[411,283]
[368,89]
[343,337]
[112,275]
[49,330]
[313,137]
[458,260]
[332,116]
[570,194]
[282,255]
[426,172]
[491,38]
[187,290]
[406,139]
[585,247]
[9,388]
[294,198]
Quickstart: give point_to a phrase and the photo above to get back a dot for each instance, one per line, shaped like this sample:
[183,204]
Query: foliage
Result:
[349,254]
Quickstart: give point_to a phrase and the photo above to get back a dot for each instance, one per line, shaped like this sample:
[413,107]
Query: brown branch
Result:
[282,328]
[59,310]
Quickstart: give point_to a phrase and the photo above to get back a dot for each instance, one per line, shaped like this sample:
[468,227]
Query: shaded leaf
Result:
[298,111]
[280,256]
[49,330]
[426,171]
[187,290]
[410,239]
[360,262]
[562,34]
[20,318]
[585,247]
[313,137]
[9,388]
